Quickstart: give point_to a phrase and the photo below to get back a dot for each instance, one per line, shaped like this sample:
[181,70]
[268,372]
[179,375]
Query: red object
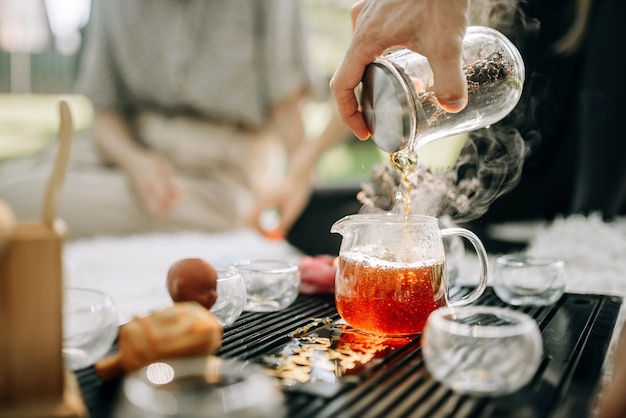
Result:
[317,274]
[192,279]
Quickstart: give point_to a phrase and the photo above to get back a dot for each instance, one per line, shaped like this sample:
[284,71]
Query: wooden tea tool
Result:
[33,380]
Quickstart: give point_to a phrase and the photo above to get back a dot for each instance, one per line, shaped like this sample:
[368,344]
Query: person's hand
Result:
[150,174]
[612,403]
[433,28]
[154,184]
[289,198]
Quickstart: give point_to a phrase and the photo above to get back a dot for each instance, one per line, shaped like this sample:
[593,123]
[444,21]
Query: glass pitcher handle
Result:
[482,258]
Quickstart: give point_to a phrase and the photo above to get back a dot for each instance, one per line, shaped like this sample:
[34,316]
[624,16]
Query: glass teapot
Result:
[392,271]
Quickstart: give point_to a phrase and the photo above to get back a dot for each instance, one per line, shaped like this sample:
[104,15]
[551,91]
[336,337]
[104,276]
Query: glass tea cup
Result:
[482,350]
[90,325]
[202,387]
[522,279]
[271,285]
[231,296]
[392,271]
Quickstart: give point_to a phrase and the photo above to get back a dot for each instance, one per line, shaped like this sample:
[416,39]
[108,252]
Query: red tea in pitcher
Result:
[388,298]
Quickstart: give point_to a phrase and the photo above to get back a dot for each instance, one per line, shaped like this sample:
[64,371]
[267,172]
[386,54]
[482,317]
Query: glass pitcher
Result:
[392,272]
[399,104]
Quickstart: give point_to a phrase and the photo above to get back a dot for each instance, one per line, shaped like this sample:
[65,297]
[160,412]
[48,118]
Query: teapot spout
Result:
[343,225]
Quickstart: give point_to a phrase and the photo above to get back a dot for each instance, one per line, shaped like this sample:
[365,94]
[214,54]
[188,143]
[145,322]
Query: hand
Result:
[151,177]
[290,198]
[433,28]
[149,173]
[611,403]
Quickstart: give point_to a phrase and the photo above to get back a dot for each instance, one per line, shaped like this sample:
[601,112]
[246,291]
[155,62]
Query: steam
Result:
[497,14]
[505,16]
[490,164]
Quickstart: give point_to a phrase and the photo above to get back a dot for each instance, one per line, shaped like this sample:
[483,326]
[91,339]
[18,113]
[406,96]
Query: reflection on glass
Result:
[200,387]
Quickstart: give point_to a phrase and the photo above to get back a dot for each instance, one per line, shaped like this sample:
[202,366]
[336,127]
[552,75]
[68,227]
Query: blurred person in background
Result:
[197,115]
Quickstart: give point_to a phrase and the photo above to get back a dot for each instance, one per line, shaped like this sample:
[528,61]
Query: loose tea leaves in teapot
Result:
[488,79]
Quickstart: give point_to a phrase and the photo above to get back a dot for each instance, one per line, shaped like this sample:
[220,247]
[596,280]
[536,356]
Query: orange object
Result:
[274,235]
[182,330]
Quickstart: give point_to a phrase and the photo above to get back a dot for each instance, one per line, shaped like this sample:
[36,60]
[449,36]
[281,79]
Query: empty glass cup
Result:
[482,350]
[271,285]
[231,296]
[90,325]
[521,279]
[202,387]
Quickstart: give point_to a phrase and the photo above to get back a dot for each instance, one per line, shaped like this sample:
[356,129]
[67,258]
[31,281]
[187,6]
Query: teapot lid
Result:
[385,102]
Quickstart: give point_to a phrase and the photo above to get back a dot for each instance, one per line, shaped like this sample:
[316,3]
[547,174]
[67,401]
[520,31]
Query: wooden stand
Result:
[33,381]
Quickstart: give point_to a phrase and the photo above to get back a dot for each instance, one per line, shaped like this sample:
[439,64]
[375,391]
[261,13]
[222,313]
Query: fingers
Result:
[450,84]
[172,195]
[255,218]
[342,85]
[433,28]
[355,11]
[363,50]
[346,78]
[264,219]
[160,198]
[348,110]
[285,207]
[156,187]
[289,215]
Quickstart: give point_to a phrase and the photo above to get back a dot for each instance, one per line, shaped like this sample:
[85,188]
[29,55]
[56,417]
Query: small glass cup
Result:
[202,387]
[482,350]
[521,279]
[90,325]
[231,296]
[271,285]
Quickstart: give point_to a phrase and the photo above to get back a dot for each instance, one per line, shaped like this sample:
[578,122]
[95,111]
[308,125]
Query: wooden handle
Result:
[55,181]
[7,224]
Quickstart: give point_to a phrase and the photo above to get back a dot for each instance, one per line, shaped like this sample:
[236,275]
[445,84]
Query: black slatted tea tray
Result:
[576,334]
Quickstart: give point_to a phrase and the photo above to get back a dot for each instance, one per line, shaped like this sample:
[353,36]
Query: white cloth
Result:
[133,269]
